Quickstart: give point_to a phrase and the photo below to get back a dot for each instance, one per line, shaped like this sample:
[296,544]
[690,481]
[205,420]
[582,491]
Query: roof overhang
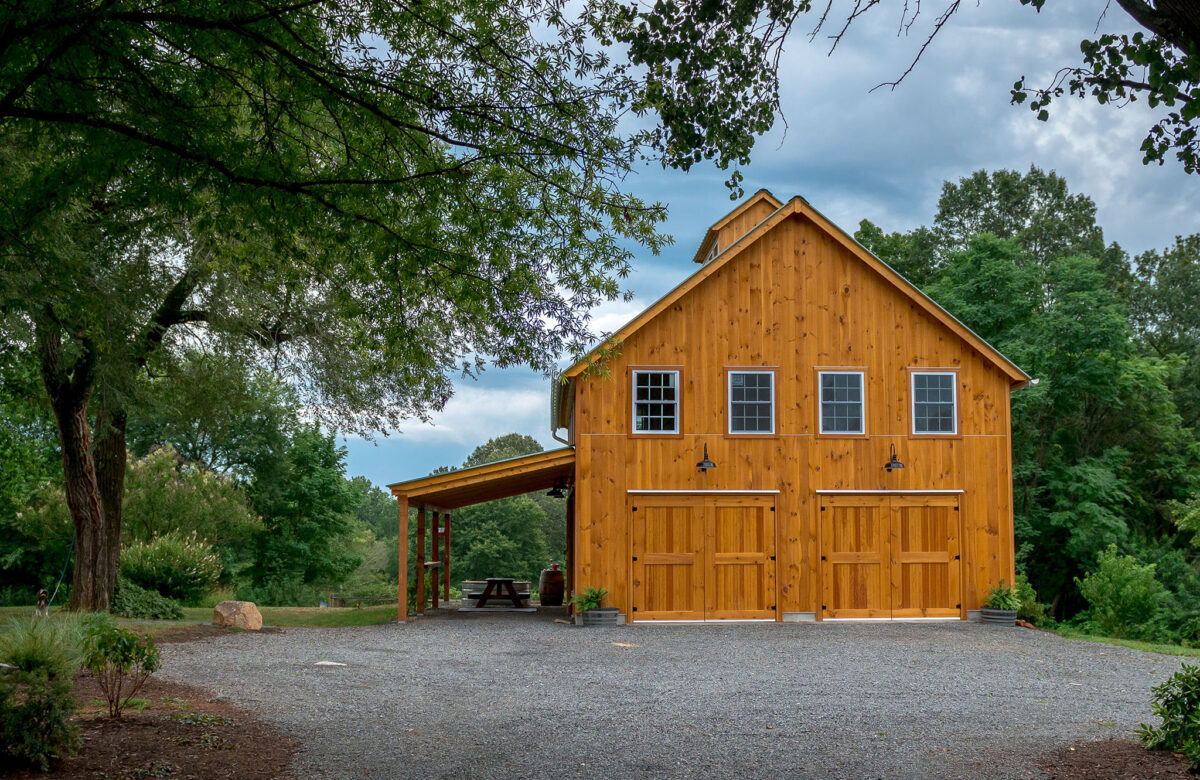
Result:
[488,482]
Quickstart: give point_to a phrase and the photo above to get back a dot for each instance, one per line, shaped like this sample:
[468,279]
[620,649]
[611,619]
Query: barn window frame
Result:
[862,401]
[674,404]
[954,405]
[772,405]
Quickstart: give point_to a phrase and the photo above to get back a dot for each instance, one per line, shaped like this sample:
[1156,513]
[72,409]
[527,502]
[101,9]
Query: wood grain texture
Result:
[793,300]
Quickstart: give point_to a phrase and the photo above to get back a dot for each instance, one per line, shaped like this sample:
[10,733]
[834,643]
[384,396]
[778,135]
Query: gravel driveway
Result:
[513,696]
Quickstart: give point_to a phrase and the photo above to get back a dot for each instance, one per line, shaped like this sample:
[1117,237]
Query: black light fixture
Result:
[706,464]
[557,490]
[894,463]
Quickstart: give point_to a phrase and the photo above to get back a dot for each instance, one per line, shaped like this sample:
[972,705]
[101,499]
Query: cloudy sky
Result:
[856,154]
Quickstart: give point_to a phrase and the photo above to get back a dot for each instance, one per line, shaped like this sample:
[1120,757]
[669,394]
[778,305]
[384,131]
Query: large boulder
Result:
[237,614]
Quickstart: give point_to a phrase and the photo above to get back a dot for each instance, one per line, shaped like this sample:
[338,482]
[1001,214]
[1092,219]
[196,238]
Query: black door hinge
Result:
[772,509]
[955,509]
[772,607]
[822,509]
[635,557]
[772,557]
[824,558]
[635,509]
[635,609]
[958,606]
[824,608]
[958,557]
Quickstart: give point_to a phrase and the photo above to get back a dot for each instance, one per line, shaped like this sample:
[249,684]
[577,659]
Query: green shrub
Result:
[180,567]
[283,593]
[1124,595]
[35,698]
[589,598]
[120,662]
[1002,597]
[1177,702]
[134,601]
[1031,610]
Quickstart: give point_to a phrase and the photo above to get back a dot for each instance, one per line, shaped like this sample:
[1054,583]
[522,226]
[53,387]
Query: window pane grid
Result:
[655,401]
[751,402]
[934,403]
[842,402]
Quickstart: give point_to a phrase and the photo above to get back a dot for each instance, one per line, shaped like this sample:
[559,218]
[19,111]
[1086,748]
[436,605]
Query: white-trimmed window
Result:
[842,405]
[752,402]
[656,402]
[934,402]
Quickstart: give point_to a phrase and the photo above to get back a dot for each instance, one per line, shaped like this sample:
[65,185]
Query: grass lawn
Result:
[1146,647]
[283,617]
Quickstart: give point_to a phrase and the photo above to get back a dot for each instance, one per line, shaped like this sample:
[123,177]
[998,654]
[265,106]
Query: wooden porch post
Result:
[570,589]
[402,606]
[435,556]
[421,561]
[446,560]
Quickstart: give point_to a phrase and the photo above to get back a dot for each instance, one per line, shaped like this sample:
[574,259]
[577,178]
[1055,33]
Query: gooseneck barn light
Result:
[894,463]
[706,464]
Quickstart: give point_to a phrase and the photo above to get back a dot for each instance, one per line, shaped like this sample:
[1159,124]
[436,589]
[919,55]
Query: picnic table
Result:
[501,588]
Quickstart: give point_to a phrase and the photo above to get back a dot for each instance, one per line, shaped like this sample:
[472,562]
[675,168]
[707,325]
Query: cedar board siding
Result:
[797,300]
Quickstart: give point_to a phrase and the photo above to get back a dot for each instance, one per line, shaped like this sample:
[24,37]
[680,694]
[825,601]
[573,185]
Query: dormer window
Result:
[713,251]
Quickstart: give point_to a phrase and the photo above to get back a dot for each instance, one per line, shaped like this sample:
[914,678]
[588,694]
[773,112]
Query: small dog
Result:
[43,604]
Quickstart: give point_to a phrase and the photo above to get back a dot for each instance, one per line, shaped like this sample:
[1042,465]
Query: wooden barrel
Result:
[551,586]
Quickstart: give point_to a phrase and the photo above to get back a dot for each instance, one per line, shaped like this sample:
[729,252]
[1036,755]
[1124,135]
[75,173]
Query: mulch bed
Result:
[1111,758]
[182,733]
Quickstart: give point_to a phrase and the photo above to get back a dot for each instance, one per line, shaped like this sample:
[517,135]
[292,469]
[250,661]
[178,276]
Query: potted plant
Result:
[588,603]
[1001,605]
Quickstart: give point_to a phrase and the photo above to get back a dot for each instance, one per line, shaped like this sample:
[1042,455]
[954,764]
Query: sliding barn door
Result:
[890,556]
[925,559]
[703,557]
[668,562]
[741,569]
[855,563]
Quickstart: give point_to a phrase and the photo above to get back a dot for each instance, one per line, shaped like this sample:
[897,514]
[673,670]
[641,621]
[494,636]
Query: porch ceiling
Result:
[490,481]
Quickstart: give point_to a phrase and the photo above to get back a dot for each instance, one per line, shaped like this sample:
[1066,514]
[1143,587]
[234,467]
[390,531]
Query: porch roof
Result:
[490,481]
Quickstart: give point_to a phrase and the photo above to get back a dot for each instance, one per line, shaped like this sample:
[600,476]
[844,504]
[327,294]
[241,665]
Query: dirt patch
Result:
[187,632]
[180,732]
[1111,758]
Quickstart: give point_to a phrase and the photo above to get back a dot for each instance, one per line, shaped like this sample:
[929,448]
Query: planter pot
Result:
[1000,617]
[605,616]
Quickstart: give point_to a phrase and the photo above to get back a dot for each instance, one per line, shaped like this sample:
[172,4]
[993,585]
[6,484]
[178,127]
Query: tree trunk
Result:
[91,588]
[110,458]
[69,387]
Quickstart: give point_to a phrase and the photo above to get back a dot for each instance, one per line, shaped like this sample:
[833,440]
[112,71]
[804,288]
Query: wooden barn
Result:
[793,433]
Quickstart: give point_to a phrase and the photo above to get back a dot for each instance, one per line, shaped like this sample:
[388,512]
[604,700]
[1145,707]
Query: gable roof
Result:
[797,206]
[710,235]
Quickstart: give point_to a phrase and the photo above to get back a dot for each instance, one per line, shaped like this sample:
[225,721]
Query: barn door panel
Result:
[741,568]
[668,573]
[855,561]
[925,557]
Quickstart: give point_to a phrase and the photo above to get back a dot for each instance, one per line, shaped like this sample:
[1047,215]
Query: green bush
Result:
[180,567]
[1124,595]
[120,662]
[589,598]
[283,593]
[1031,610]
[134,601]
[1002,597]
[35,698]
[1177,702]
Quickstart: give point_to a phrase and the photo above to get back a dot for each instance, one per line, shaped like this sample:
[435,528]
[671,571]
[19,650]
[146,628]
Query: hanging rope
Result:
[66,563]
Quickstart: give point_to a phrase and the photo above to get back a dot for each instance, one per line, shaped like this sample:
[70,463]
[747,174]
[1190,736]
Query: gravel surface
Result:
[519,696]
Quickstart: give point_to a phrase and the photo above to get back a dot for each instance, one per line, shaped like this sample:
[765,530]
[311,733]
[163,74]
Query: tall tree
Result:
[364,198]
[687,48]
